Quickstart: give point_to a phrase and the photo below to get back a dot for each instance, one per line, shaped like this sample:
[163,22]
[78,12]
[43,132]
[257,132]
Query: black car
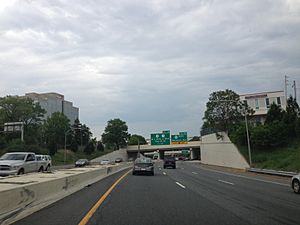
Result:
[143,166]
[169,162]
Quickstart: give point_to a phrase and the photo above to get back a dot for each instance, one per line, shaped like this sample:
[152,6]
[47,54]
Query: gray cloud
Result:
[151,63]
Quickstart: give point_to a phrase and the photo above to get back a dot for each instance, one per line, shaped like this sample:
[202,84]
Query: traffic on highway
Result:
[190,194]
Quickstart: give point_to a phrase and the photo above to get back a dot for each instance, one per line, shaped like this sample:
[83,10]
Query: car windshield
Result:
[13,157]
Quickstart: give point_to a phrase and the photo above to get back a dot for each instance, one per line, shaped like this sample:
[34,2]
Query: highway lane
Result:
[188,195]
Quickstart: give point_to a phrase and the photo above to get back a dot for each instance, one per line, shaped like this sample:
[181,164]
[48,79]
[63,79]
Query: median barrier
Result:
[24,195]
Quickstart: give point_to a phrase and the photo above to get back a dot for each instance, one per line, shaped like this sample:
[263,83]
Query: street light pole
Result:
[248,139]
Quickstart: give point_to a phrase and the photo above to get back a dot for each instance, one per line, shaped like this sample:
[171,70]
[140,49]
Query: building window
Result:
[256,104]
[268,102]
[278,101]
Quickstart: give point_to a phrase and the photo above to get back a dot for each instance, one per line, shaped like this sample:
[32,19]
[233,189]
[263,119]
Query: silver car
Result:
[143,166]
[296,183]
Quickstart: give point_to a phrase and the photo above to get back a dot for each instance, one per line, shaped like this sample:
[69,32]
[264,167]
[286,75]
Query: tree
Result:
[291,117]
[74,145]
[20,109]
[195,138]
[55,128]
[89,148]
[100,146]
[136,139]
[223,109]
[275,113]
[115,133]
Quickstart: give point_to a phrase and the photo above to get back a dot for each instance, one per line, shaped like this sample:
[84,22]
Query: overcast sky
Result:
[151,63]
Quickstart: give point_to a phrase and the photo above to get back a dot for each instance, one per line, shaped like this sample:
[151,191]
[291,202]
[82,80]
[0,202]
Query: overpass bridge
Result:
[193,146]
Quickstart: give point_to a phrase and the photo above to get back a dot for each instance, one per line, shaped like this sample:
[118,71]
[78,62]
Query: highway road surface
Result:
[190,194]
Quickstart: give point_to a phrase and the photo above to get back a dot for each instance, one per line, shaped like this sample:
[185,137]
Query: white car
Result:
[47,159]
[104,162]
[296,183]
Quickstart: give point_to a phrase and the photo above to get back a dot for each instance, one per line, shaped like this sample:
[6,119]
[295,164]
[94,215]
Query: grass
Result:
[72,157]
[284,158]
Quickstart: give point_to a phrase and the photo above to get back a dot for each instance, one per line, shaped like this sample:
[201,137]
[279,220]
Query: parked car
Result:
[143,166]
[118,160]
[82,162]
[47,159]
[169,162]
[20,163]
[296,183]
[104,162]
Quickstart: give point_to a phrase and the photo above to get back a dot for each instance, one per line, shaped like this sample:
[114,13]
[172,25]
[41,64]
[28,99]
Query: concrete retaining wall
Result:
[221,152]
[19,201]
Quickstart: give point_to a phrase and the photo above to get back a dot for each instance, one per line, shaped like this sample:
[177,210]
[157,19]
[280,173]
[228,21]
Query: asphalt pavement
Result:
[190,194]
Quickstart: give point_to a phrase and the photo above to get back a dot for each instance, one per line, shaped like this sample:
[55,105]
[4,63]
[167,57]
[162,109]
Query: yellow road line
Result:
[88,216]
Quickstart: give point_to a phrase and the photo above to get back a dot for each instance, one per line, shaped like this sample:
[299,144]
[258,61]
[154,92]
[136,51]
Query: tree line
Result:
[49,134]
[225,112]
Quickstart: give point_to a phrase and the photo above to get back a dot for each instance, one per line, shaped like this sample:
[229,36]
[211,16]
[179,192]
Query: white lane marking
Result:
[249,178]
[194,173]
[226,182]
[182,168]
[159,168]
[180,185]
[164,173]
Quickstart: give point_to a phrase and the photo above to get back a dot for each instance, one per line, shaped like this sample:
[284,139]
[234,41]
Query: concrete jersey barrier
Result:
[24,195]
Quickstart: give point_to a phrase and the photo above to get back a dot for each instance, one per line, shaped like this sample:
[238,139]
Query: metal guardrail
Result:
[272,172]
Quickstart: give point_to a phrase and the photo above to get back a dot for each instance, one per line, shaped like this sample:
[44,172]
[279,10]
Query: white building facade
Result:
[261,102]
[54,102]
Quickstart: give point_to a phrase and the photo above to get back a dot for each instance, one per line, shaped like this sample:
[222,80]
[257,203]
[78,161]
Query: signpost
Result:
[179,139]
[161,138]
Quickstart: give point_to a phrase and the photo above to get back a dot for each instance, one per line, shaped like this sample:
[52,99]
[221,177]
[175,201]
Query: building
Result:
[261,102]
[54,102]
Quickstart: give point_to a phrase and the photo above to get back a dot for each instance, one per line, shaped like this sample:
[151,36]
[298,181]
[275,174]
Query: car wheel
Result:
[174,167]
[47,168]
[152,173]
[296,187]
[41,169]
[164,167]
[133,173]
[21,171]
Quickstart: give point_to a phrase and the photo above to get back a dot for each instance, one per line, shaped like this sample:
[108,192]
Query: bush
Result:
[269,135]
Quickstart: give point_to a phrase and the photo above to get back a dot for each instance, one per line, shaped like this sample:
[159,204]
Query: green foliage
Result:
[15,145]
[195,138]
[136,139]
[74,145]
[275,114]
[55,128]
[18,109]
[89,148]
[100,146]
[269,136]
[223,109]
[115,134]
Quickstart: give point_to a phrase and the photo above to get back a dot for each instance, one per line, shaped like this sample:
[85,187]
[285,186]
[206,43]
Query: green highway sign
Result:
[161,138]
[180,138]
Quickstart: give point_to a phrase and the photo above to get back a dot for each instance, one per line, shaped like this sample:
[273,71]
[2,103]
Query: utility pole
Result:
[285,88]
[295,89]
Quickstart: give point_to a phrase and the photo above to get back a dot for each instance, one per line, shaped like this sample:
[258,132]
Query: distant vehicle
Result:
[143,166]
[104,162]
[169,162]
[296,183]
[155,157]
[118,160]
[130,159]
[82,162]
[47,159]
[20,163]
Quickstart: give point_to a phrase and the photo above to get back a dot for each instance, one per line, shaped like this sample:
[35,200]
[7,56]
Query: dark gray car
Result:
[143,166]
